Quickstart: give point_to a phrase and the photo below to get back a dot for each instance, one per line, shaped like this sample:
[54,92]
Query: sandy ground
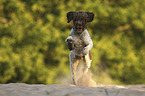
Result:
[22,89]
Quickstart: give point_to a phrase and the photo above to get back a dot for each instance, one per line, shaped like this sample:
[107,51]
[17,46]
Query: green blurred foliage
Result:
[33,33]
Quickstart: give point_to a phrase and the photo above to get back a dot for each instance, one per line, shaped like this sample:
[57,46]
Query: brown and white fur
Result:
[79,41]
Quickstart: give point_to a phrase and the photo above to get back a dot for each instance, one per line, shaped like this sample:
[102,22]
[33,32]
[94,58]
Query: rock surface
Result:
[21,89]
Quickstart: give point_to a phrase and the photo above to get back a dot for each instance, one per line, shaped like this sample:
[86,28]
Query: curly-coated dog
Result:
[79,41]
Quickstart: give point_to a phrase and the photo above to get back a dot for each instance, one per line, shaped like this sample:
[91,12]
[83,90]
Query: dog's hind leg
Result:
[88,60]
[73,65]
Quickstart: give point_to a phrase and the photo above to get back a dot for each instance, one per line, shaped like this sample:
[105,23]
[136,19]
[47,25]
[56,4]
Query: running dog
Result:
[79,41]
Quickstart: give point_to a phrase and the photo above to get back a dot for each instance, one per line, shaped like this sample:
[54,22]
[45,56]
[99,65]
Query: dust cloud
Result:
[82,79]
[85,79]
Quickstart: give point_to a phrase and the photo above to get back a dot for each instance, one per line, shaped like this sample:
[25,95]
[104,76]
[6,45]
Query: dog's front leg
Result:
[73,71]
[88,61]
[73,65]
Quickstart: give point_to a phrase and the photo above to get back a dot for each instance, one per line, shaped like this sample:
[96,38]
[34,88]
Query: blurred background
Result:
[33,33]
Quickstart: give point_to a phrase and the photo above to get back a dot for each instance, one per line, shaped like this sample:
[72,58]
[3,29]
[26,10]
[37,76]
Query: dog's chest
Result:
[79,42]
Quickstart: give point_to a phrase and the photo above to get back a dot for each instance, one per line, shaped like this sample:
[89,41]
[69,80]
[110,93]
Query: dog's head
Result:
[80,20]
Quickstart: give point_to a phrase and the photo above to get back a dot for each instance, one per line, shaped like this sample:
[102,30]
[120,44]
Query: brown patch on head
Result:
[80,19]
[80,16]
[89,15]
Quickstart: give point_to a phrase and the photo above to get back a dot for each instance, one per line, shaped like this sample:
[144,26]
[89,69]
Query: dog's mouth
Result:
[79,29]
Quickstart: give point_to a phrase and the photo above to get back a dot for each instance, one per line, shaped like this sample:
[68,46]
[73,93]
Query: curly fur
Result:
[79,41]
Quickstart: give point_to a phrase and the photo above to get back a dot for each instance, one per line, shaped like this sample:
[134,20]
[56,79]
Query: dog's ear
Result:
[90,16]
[69,16]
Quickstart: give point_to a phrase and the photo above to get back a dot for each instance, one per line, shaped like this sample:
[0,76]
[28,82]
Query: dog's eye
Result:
[75,19]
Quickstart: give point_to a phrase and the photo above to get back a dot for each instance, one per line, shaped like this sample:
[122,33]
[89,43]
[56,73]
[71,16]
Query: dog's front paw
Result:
[70,45]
